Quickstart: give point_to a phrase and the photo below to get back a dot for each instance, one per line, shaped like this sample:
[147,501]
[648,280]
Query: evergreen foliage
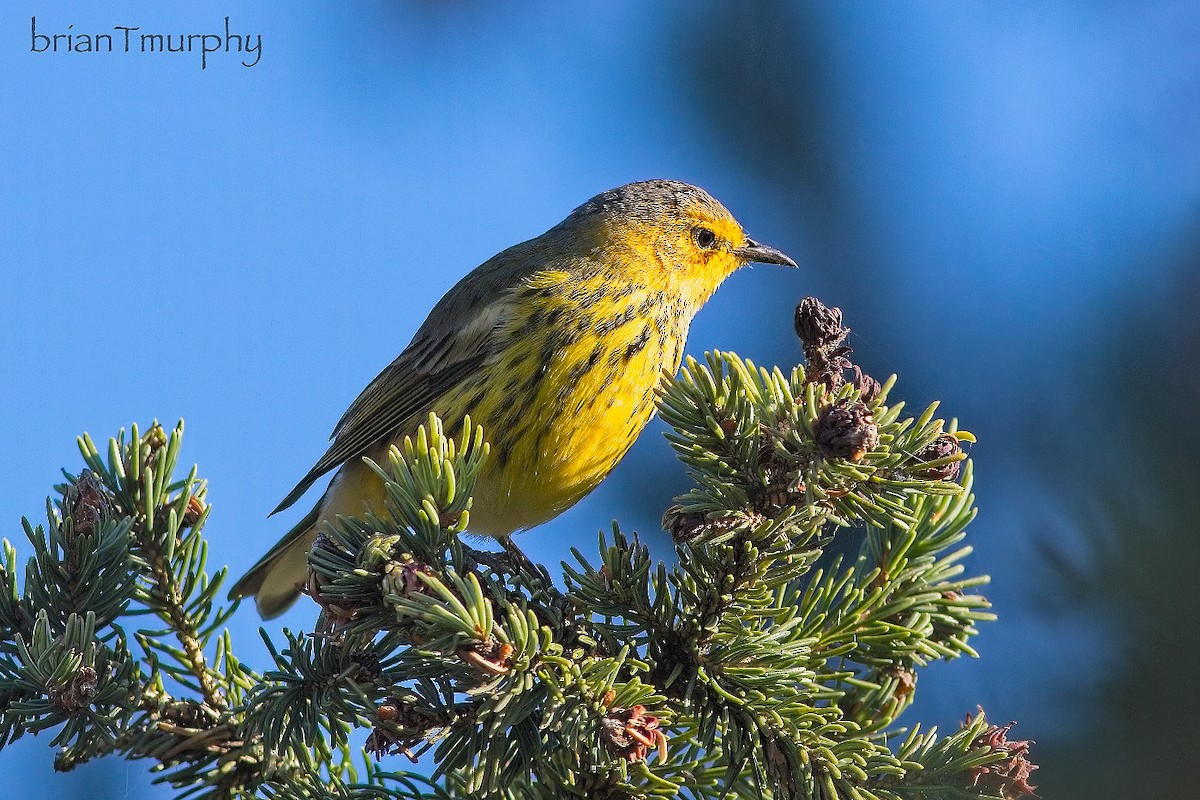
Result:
[758,664]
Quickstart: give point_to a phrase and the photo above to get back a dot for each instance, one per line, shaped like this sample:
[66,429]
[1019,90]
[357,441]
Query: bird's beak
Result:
[762,254]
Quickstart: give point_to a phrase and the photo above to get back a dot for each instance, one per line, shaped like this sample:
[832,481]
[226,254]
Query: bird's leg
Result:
[522,563]
[557,613]
[525,572]
[486,558]
[511,562]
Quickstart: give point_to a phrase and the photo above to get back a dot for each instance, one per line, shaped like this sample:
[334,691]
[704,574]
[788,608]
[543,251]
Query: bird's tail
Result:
[275,581]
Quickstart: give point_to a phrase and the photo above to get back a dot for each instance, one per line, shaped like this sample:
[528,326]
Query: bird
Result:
[556,346]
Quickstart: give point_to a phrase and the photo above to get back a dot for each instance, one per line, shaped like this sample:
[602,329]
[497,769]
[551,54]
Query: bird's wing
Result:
[462,333]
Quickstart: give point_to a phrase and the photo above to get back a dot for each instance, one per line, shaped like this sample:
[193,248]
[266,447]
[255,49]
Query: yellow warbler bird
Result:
[555,346]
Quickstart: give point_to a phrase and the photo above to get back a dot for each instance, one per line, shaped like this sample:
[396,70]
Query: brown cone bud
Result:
[868,387]
[632,733]
[1008,778]
[490,658]
[86,502]
[846,430]
[819,326]
[942,447]
[822,334]
[906,682]
[682,526]
[78,693]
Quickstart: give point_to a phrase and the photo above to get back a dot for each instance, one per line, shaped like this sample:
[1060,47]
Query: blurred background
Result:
[1003,198]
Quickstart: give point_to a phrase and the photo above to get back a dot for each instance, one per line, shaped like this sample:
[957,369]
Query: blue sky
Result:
[246,247]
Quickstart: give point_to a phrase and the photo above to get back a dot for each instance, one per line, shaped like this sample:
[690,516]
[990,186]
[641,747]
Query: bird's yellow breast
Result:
[568,399]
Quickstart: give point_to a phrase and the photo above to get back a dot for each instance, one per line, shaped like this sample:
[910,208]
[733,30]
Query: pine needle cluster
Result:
[818,567]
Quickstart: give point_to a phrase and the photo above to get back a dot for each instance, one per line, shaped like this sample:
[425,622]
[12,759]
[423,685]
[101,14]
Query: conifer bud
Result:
[683,526]
[86,502]
[489,657]
[401,576]
[903,685]
[846,430]
[632,733]
[78,692]
[906,682]
[868,387]
[318,580]
[153,440]
[818,326]
[821,333]
[376,551]
[191,514]
[1008,778]
[943,446]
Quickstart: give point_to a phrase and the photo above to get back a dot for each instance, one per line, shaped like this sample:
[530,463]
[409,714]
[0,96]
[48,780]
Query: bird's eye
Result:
[704,237]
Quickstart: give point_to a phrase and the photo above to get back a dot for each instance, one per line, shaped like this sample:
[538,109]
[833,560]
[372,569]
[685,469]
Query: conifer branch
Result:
[141,470]
[757,664]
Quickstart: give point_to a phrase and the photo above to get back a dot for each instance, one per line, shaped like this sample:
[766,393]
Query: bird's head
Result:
[676,233]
